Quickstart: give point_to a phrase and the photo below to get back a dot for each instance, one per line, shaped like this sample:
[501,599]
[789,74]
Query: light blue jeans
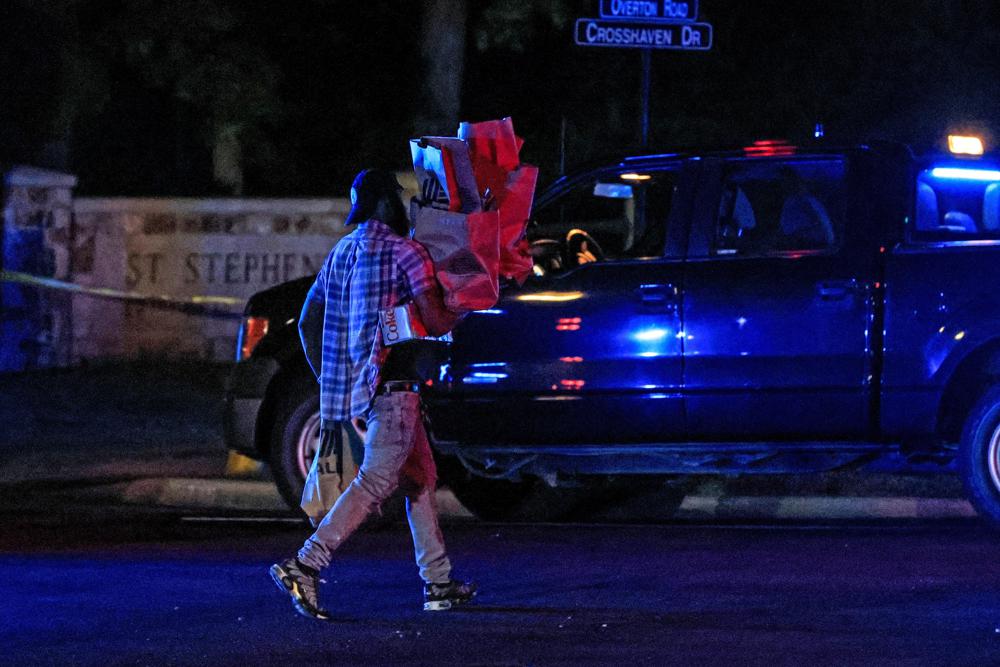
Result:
[397,454]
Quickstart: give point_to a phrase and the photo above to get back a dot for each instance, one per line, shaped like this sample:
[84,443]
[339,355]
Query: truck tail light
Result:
[769,148]
[252,331]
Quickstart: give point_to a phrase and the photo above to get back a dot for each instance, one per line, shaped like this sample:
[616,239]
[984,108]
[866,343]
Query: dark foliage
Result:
[131,94]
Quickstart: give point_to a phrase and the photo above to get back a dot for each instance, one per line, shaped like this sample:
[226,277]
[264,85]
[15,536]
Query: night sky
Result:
[129,95]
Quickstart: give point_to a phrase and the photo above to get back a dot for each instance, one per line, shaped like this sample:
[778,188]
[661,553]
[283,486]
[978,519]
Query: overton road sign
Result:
[650,10]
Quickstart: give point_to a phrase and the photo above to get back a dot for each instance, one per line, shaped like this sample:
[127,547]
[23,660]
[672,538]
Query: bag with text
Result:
[326,479]
[444,174]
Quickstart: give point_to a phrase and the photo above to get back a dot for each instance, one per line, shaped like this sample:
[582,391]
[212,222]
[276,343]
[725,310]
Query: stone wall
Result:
[187,248]
[180,249]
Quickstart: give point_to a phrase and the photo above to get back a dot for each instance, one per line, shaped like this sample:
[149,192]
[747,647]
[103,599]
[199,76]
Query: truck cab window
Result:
[954,205]
[769,207]
[620,215]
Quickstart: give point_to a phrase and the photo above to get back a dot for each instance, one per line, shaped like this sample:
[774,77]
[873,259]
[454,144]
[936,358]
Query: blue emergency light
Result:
[963,174]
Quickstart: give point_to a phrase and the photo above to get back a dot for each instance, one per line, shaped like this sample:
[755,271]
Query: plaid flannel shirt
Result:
[369,270]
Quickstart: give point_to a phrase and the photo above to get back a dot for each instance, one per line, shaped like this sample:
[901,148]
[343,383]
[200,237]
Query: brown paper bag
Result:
[465,249]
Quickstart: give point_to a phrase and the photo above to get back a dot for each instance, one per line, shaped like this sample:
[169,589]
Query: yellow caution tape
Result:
[195,305]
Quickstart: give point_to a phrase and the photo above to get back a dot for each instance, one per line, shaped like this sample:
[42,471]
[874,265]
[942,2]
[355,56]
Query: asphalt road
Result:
[159,590]
[112,421]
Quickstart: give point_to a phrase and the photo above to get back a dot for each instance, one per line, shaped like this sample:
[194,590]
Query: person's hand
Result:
[435,316]
[583,255]
[360,426]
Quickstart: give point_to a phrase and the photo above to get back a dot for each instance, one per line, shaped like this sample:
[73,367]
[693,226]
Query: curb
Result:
[236,495]
[217,494]
[822,507]
[256,496]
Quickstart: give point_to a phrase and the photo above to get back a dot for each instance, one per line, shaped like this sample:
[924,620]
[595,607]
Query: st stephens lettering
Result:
[143,267]
[245,269]
[215,268]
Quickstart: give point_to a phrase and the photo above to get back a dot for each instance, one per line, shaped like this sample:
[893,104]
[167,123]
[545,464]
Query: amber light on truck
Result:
[963,145]
[551,297]
[252,331]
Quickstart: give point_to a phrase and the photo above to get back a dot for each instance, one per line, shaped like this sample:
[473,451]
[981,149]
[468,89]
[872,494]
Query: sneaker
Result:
[302,584]
[439,597]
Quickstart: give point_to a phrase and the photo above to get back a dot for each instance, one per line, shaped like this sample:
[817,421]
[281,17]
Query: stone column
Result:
[36,323]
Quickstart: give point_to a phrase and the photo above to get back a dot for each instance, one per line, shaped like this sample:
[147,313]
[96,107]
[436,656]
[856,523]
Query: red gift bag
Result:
[495,153]
[470,247]
[515,207]
[493,141]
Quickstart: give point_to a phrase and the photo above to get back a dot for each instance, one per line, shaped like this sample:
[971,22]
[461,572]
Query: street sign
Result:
[650,10]
[646,25]
[643,35]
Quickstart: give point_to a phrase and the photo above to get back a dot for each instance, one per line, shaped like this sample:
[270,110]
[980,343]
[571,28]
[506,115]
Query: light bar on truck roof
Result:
[961,174]
[965,145]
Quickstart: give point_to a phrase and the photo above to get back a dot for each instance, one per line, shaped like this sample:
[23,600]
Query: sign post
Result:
[646,25]
[647,66]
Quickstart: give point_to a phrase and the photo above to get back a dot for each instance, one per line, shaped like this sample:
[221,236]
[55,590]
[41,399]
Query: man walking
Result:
[376,266]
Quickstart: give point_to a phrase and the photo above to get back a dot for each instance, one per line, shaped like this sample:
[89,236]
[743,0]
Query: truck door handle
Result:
[658,296]
[832,290]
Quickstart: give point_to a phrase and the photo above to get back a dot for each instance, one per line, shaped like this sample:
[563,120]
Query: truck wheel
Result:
[979,455]
[294,440]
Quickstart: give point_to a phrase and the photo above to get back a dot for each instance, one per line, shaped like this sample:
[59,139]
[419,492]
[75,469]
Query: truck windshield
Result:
[625,212]
[957,203]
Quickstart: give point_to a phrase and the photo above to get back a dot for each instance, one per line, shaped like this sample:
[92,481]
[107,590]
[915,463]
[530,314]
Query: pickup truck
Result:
[767,310]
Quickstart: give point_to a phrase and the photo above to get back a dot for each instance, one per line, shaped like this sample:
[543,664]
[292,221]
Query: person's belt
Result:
[396,386]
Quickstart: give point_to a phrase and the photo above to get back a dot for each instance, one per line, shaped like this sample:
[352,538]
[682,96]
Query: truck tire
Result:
[979,455]
[294,438]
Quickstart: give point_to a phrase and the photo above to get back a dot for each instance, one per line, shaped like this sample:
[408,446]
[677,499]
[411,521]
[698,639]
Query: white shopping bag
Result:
[324,483]
[444,173]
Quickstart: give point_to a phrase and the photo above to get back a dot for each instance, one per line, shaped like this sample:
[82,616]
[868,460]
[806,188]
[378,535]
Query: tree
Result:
[199,51]
[80,77]
[442,50]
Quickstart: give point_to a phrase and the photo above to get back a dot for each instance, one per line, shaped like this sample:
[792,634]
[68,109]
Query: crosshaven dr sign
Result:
[642,35]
